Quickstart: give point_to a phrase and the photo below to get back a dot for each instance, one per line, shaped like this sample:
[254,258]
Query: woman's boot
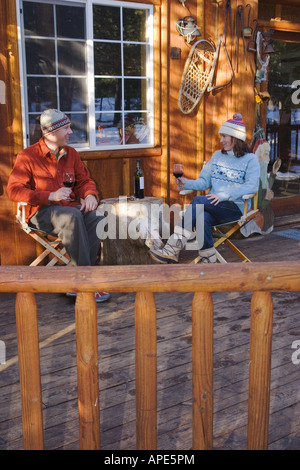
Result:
[170,252]
[208,255]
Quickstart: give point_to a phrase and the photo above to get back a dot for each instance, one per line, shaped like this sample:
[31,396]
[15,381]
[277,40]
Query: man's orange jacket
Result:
[37,172]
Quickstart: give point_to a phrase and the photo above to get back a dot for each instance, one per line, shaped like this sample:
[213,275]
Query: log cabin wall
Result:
[189,139]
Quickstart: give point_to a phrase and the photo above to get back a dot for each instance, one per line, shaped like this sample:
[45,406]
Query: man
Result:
[38,179]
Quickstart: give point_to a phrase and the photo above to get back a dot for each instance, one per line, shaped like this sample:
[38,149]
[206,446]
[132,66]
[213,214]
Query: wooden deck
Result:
[117,372]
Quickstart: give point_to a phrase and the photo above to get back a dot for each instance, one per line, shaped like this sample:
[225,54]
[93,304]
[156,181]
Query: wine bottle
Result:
[138,181]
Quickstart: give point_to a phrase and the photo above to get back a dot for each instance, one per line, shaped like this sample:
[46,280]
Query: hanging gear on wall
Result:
[261,96]
[196,75]
[239,22]
[215,87]
[261,74]
[247,29]
[252,43]
[199,72]
[228,11]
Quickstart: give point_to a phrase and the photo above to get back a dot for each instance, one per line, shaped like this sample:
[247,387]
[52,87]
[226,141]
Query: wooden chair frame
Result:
[51,244]
[234,226]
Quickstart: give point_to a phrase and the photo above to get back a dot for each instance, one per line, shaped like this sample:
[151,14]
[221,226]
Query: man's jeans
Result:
[76,230]
[226,211]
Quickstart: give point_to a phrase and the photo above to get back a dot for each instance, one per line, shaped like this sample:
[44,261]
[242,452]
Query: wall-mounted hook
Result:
[247,29]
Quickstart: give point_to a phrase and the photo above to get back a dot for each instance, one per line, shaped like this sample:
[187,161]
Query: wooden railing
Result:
[259,278]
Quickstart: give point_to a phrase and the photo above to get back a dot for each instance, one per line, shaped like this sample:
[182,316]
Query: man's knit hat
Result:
[234,127]
[52,119]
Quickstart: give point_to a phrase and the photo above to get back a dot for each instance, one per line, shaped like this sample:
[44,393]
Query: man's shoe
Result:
[102,296]
[99,296]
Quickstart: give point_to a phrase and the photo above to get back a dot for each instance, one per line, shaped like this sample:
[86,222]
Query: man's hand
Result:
[61,194]
[88,204]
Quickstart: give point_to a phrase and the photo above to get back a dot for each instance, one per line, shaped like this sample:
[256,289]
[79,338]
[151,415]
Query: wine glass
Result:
[178,170]
[69,179]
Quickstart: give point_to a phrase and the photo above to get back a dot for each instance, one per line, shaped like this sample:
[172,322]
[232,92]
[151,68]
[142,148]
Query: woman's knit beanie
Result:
[52,119]
[234,127]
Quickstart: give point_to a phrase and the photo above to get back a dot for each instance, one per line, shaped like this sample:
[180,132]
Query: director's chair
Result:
[51,244]
[223,232]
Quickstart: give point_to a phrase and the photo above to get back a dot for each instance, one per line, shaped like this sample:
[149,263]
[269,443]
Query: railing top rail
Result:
[271,276]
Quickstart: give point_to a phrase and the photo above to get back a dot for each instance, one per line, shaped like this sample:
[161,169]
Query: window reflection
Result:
[107,58]
[35,132]
[70,21]
[108,129]
[136,128]
[135,59]
[40,56]
[41,93]
[38,19]
[72,94]
[106,22]
[135,94]
[108,94]
[79,127]
[71,58]
[134,24]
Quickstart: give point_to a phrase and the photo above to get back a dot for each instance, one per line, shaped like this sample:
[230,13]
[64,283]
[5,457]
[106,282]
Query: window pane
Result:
[135,94]
[108,129]
[70,21]
[35,132]
[136,128]
[106,22]
[41,93]
[38,19]
[107,59]
[72,93]
[134,25]
[79,128]
[71,57]
[108,94]
[40,56]
[134,59]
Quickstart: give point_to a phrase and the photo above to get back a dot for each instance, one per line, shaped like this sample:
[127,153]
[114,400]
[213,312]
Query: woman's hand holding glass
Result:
[178,173]
[180,183]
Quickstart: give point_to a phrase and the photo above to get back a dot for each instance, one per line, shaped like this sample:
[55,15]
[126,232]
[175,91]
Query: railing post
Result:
[87,371]
[202,350]
[260,370]
[30,376]
[146,392]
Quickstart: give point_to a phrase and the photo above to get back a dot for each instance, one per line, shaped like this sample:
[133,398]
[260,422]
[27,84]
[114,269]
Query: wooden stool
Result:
[134,227]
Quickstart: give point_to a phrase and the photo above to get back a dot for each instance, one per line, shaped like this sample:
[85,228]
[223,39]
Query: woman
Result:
[230,174]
